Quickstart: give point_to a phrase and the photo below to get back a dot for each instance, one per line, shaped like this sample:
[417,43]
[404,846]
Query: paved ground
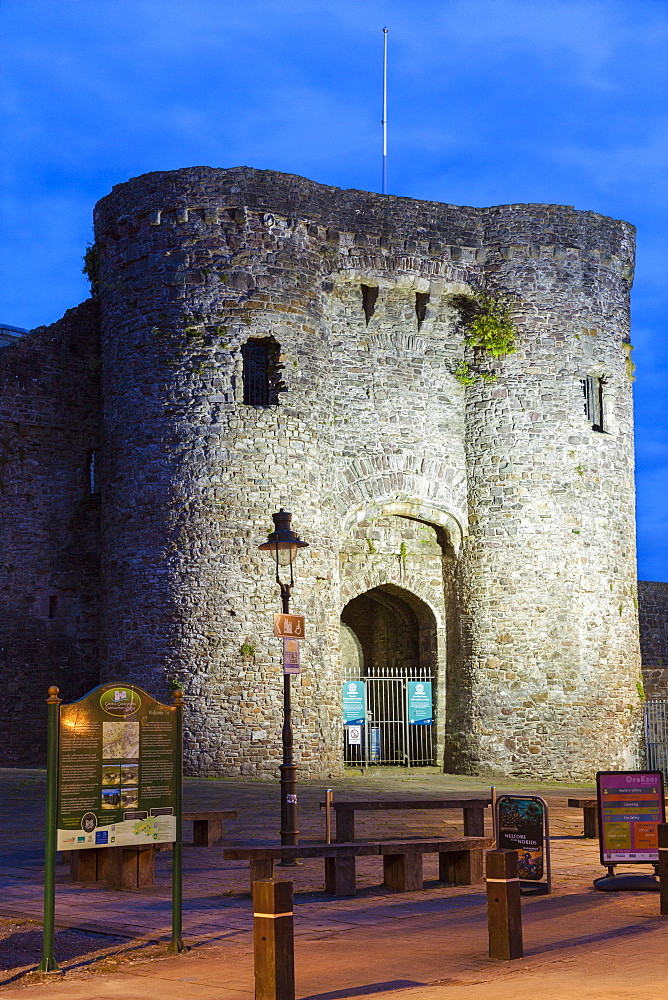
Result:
[425,945]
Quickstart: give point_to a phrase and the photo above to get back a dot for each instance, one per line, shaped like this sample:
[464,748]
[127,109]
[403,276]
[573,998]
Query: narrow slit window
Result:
[592,389]
[261,372]
[369,296]
[421,302]
[92,472]
[53,606]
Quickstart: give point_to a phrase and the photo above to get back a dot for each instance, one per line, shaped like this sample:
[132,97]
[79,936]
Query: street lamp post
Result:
[283,546]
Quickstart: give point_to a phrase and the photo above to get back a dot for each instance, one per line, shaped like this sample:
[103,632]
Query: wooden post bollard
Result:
[504,914]
[663,868]
[274,941]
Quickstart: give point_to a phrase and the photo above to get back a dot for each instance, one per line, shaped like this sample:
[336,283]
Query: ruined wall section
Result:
[550,561]
[49,525]
[653,614]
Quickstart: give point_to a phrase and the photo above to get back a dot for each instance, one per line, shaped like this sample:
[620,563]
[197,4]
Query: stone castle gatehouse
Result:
[257,340]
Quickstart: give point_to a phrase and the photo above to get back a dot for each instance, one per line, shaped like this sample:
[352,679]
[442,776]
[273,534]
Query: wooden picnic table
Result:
[473,810]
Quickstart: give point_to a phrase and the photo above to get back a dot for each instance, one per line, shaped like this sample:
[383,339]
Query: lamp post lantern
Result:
[283,546]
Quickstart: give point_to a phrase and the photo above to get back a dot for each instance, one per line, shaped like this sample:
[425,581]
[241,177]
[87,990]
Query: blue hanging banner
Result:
[420,710]
[353,703]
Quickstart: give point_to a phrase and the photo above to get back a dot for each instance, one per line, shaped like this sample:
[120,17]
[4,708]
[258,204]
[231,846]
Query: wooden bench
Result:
[590,811]
[120,867]
[473,810]
[339,861]
[460,861]
[208,825]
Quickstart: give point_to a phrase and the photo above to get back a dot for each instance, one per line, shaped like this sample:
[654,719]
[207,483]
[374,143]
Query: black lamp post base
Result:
[289,831]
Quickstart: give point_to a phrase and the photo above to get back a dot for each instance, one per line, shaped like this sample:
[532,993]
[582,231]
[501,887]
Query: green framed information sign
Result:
[117,765]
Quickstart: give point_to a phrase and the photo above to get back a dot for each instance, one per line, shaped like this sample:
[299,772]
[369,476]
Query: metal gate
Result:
[656,735]
[388,738]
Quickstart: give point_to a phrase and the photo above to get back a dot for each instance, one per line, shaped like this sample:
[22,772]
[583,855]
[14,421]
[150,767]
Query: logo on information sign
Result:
[88,822]
[120,701]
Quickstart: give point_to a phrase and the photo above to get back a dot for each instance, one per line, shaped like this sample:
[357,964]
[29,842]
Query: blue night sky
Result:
[490,102]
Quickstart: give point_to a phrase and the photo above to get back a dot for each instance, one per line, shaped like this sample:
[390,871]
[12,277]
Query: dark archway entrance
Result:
[388,643]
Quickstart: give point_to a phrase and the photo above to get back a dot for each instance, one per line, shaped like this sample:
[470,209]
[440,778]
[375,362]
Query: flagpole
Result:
[384,121]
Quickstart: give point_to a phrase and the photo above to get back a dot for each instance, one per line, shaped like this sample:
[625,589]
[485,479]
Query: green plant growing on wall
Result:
[464,375]
[91,267]
[489,328]
[629,362]
[174,685]
[640,688]
[247,650]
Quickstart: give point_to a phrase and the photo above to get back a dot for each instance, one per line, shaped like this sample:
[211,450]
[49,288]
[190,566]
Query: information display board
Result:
[117,766]
[353,698]
[521,827]
[420,704]
[630,806]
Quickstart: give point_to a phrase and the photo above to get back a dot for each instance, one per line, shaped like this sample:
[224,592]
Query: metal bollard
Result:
[274,940]
[504,914]
[663,868]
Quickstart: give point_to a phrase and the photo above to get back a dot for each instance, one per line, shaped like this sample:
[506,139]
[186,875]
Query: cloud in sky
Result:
[491,102]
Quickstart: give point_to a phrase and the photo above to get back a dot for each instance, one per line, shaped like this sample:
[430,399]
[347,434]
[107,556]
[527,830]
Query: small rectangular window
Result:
[261,372]
[256,380]
[592,389]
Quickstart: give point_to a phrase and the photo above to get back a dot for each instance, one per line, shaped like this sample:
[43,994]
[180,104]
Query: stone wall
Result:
[49,525]
[363,294]
[653,613]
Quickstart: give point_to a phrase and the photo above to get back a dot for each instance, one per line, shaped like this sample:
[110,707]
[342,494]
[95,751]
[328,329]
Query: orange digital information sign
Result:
[630,806]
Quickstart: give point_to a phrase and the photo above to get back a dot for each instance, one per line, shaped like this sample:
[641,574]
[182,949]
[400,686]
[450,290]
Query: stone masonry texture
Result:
[653,614]
[493,514]
[49,525]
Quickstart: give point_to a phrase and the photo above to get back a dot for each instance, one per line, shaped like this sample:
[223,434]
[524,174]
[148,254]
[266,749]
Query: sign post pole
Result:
[48,963]
[176,945]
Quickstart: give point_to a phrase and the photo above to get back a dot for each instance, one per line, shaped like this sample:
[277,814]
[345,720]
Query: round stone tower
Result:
[270,342]
[549,571]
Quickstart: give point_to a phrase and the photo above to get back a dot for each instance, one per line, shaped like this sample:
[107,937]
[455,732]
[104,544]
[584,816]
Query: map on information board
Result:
[630,806]
[117,770]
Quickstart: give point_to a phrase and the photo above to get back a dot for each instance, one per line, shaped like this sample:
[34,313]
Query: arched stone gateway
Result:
[389,649]
[400,626]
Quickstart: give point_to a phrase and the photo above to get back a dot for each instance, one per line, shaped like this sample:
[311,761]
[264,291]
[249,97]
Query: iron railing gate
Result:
[656,735]
[387,737]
